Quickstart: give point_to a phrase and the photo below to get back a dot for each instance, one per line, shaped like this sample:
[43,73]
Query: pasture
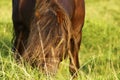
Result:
[100,48]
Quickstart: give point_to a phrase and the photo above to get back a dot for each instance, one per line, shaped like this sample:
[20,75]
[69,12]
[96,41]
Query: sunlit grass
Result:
[100,49]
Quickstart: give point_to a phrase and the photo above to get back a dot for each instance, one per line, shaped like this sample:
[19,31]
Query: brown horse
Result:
[46,31]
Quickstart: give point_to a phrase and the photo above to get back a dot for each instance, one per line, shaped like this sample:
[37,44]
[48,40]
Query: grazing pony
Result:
[46,31]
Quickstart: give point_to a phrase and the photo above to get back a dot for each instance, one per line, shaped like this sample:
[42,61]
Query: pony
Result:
[47,31]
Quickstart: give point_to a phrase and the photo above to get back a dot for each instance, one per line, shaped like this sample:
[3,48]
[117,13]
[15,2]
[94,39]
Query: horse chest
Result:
[26,10]
[68,5]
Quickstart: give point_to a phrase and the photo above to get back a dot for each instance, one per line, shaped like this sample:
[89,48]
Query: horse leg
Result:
[20,31]
[77,23]
[19,39]
[74,57]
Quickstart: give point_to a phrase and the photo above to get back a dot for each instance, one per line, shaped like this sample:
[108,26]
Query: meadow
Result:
[99,54]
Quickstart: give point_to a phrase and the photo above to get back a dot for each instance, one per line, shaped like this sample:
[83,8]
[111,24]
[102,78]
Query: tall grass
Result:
[100,49]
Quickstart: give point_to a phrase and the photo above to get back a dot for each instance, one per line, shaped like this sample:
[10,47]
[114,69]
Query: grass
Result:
[100,49]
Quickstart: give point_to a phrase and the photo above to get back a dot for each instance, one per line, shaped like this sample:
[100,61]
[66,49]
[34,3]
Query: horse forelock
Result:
[50,34]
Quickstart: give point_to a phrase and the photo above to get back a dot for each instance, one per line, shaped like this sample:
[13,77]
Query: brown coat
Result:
[45,31]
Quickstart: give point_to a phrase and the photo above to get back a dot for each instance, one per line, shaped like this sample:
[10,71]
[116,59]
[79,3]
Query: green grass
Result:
[100,49]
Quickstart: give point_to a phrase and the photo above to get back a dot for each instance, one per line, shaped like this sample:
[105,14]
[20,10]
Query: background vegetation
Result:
[100,49]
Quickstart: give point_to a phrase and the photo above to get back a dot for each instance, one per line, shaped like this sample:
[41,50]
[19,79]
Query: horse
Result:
[47,31]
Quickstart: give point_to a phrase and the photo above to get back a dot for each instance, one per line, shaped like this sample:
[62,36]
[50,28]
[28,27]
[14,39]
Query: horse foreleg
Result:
[74,57]
[20,38]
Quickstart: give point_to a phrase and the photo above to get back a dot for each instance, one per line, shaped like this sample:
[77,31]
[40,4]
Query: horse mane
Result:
[50,33]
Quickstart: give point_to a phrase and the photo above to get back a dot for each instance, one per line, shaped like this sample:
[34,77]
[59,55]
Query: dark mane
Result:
[49,35]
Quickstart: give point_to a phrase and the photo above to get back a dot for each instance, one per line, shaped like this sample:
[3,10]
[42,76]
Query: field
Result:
[100,48]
